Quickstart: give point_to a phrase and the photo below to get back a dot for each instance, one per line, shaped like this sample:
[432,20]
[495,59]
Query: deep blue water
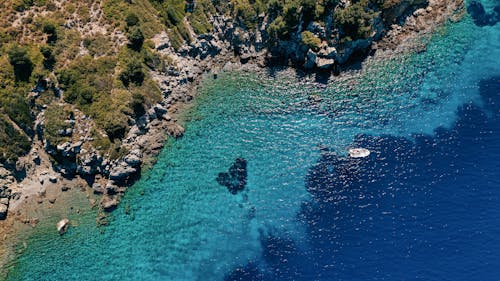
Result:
[424,206]
[421,208]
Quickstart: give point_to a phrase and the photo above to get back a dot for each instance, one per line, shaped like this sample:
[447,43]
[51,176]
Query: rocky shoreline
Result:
[204,58]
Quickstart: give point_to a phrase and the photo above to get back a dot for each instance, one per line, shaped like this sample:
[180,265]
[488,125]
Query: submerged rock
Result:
[236,178]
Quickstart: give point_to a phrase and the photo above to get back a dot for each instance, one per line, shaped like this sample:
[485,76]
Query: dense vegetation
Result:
[107,82]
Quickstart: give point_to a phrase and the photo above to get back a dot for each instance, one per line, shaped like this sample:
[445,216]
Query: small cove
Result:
[178,223]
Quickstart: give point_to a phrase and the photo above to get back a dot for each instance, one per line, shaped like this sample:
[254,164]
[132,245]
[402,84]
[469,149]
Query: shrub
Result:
[15,106]
[151,59]
[184,32]
[245,13]
[135,38]
[310,40]
[278,29]
[137,104]
[21,5]
[51,31]
[131,19]
[48,57]
[175,38]
[55,117]
[12,142]
[199,21]
[175,12]
[133,73]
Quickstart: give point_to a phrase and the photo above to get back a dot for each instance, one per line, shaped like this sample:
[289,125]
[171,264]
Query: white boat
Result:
[359,152]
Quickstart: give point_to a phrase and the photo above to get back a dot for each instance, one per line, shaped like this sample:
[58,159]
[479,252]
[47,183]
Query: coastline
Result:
[177,99]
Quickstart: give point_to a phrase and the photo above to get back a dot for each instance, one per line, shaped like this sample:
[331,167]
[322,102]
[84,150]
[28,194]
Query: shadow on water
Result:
[416,208]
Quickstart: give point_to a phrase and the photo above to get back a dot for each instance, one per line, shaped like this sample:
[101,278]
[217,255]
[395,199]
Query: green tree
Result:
[20,60]
[131,19]
[135,38]
[51,31]
[48,57]
[133,73]
[310,40]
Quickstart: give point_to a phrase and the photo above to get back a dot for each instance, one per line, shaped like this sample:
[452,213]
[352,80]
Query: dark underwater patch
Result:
[236,178]
[479,15]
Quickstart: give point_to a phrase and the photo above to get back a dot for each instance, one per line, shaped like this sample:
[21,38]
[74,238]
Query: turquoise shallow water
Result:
[178,223]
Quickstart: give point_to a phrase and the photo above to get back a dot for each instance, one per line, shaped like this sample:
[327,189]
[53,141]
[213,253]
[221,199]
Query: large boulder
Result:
[108,203]
[133,160]
[324,63]
[122,172]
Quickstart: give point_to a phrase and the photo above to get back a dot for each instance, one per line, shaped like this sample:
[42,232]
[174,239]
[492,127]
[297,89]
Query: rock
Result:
[4,208]
[132,160]
[88,163]
[68,149]
[328,52]
[15,196]
[122,172]
[64,188]
[160,110]
[175,130]
[52,200]
[112,188]
[4,201]
[35,157]
[62,226]
[325,63]
[151,114]
[98,189]
[42,192]
[166,117]
[108,203]
[53,179]
[3,211]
